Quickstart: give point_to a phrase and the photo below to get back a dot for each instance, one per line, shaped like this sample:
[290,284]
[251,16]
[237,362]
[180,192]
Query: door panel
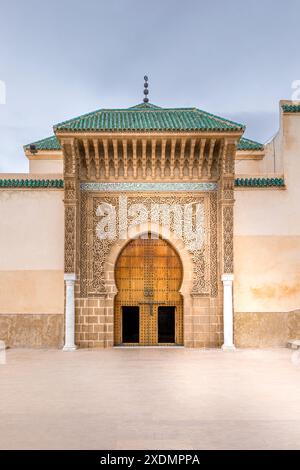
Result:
[166,324]
[130,325]
[148,274]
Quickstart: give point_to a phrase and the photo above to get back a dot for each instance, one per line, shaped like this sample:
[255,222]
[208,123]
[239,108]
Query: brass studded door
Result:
[148,306]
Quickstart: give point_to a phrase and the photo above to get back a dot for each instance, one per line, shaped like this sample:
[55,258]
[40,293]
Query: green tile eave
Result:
[148,117]
[49,143]
[248,144]
[31,183]
[52,143]
[259,182]
[290,108]
[59,183]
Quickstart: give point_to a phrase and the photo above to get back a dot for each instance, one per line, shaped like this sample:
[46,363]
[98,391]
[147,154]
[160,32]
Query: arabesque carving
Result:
[94,251]
[70,221]
[228,238]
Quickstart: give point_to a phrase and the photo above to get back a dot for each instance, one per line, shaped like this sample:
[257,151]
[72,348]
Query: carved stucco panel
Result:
[70,224]
[94,251]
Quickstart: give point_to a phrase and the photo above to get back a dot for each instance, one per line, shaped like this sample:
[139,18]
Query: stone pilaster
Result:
[226,202]
[226,219]
[72,206]
[72,242]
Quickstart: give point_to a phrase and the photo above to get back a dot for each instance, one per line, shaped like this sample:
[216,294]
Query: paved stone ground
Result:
[150,399]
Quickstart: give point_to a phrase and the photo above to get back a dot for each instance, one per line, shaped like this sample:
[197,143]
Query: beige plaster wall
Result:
[267,273]
[247,167]
[267,231]
[31,251]
[31,291]
[46,166]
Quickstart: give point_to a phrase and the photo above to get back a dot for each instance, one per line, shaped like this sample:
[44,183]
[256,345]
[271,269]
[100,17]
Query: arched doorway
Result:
[148,306]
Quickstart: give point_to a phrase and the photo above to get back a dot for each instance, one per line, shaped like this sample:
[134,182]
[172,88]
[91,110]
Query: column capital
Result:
[227,278]
[70,277]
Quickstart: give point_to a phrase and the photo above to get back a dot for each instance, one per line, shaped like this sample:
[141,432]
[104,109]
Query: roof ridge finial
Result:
[146,91]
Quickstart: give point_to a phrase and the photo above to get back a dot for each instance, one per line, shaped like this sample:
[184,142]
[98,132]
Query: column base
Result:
[228,348]
[69,348]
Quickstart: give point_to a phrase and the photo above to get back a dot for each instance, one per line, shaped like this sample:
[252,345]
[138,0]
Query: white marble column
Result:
[70,313]
[227,280]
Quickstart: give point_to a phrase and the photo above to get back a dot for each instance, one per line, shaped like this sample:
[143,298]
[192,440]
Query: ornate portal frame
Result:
[90,264]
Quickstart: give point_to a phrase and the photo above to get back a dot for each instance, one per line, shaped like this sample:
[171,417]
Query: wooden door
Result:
[148,277]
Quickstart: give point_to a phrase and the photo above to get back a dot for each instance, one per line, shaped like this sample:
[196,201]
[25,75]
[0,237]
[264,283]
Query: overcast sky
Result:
[60,59]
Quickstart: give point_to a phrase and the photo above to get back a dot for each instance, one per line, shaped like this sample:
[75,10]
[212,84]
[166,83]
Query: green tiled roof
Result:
[145,106]
[52,143]
[291,108]
[28,183]
[148,117]
[49,143]
[247,144]
[259,182]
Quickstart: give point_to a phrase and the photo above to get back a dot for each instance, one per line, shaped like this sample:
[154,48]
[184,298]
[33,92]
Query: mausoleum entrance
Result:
[148,306]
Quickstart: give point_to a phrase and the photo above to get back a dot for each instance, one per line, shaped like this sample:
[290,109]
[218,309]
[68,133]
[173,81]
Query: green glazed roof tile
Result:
[52,143]
[49,143]
[31,183]
[291,108]
[59,183]
[145,106]
[149,117]
[247,144]
[259,182]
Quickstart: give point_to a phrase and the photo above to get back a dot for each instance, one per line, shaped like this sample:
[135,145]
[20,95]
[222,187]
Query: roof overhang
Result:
[249,155]
[44,155]
[147,134]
